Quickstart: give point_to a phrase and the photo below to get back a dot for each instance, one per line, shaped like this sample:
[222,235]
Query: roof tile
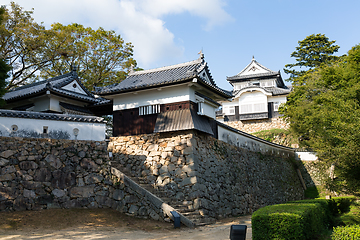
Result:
[50,116]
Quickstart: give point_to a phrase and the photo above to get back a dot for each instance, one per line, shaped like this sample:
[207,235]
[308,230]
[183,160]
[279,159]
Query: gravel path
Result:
[218,231]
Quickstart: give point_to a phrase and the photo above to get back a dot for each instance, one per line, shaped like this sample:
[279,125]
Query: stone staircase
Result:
[183,207]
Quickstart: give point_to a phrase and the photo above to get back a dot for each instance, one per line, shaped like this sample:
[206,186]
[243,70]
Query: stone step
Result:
[181,206]
[193,214]
[202,221]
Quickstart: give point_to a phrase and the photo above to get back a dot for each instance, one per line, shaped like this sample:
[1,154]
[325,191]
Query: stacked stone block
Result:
[252,126]
[42,173]
[205,174]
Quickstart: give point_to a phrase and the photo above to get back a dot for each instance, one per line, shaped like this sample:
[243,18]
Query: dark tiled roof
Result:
[102,101]
[50,116]
[75,108]
[184,119]
[207,98]
[278,91]
[52,84]
[163,76]
[251,76]
[273,90]
[71,94]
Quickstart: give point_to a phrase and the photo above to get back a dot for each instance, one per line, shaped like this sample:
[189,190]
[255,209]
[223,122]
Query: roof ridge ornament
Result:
[201,55]
[73,67]
[131,69]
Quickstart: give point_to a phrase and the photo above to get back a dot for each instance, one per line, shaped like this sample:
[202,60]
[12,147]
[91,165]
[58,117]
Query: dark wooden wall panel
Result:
[128,122]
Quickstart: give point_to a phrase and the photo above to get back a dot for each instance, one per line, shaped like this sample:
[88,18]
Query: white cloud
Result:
[138,21]
[212,10]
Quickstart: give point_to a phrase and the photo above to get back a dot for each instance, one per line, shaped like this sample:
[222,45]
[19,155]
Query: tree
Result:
[313,51]
[102,57]
[24,45]
[4,68]
[325,113]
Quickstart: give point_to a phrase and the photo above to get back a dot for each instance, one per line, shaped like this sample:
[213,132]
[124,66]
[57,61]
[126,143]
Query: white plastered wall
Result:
[33,127]
[77,89]
[153,96]
[244,141]
[280,99]
[252,99]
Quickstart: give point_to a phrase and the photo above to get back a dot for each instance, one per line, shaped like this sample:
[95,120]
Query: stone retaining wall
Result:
[252,126]
[203,173]
[218,179]
[311,174]
[41,174]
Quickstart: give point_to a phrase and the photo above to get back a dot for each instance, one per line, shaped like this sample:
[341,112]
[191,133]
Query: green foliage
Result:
[279,136]
[312,52]
[311,192]
[304,219]
[352,217]
[328,206]
[102,57]
[4,68]
[324,112]
[23,45]
[343,203]
[289,221]
[346,233]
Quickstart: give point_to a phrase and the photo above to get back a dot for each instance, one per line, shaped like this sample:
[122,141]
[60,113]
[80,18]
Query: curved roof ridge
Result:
[257,63]
[253,75]
[166,67]
[275,91]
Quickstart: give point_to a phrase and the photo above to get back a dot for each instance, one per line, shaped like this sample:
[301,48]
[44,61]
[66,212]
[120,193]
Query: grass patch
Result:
[352,217]
[276,135]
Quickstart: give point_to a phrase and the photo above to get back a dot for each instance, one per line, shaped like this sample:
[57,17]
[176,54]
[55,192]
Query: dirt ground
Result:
[104,224]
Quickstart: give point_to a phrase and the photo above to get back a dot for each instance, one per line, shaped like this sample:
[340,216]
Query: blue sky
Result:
[230,32]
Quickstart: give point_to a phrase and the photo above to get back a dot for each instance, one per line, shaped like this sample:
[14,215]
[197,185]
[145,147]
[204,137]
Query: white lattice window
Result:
[246,108]
[253,108]
[150,109]
[259,107]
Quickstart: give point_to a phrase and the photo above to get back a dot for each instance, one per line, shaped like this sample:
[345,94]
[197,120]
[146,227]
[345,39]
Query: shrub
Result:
[346,233]
[343,203]
[333,207]
[328,206]
[298,221]
[311,192]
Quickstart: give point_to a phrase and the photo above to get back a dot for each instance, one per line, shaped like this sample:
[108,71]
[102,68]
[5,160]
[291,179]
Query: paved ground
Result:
[218,231]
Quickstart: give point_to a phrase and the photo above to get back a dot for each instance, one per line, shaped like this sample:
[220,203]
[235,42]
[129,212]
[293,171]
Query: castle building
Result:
[59,108]
[257,94]
[172,98]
